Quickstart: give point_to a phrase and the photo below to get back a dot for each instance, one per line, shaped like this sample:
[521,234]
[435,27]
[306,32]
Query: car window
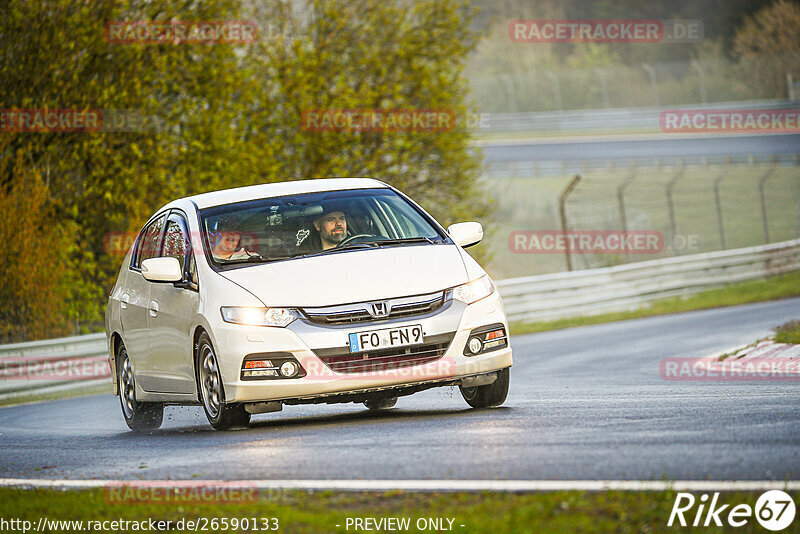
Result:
[286,227]
[176,240]
[149,245]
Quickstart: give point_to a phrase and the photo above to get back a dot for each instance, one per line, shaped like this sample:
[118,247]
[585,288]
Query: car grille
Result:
[342,361]
[360,312]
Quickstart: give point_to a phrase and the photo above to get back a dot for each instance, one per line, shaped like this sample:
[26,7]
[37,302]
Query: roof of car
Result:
[297,187]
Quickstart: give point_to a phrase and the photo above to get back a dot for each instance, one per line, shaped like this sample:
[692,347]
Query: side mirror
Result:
[162,270]
[466,234]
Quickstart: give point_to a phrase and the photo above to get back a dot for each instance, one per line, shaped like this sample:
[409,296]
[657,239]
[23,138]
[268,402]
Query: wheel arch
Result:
[115,343]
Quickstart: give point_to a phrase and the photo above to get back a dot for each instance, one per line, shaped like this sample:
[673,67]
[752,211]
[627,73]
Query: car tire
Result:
[383,403]
[139,416]
[221,415]
[493,394]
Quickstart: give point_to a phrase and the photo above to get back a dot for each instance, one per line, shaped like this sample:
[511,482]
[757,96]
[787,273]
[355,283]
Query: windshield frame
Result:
[202,214]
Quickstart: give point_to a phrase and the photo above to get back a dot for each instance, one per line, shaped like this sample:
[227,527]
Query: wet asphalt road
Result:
[585,403]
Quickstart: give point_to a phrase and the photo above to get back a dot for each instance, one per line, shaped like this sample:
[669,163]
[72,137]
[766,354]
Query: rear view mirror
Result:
[162,270]
[466,234]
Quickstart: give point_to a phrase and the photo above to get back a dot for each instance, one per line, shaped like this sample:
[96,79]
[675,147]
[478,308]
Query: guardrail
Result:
[606,120]
[630,286]
[79,362]
[53,365]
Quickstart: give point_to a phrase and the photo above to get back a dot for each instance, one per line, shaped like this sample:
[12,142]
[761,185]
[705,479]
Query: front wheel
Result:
[220,414]
[139,416]
[493,394]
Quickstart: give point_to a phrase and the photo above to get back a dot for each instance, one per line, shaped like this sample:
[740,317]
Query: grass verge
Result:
[776,287]
[788,333]
[319,512]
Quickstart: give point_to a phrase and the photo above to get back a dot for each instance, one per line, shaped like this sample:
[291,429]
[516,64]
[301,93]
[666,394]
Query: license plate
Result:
[386,338]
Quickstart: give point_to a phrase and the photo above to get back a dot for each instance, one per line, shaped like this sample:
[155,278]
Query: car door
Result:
[171,314]
[135,303]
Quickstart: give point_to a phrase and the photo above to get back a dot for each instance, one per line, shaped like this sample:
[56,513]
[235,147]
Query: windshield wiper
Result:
[349,246]
[256,259]
[401,240]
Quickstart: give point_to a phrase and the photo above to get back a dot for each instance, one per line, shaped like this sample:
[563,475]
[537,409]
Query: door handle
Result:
[153,308]
[123,301]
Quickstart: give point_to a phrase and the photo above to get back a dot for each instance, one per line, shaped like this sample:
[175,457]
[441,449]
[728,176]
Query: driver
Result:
[331,226]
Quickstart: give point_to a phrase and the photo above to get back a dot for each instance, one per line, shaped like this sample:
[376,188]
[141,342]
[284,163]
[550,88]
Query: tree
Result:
[768,46]
[36,274]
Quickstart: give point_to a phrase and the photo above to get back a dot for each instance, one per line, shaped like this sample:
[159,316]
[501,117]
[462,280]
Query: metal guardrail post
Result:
[670,204]
[717,181]
[761,183]
[562,199]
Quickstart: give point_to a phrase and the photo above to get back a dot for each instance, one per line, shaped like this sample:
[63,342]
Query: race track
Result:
[585,404]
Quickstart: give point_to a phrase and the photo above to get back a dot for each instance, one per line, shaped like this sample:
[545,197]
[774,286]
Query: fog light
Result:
[289,369]
[475,345]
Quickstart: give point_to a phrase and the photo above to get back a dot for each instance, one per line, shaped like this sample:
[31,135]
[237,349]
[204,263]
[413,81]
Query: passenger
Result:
[228,235]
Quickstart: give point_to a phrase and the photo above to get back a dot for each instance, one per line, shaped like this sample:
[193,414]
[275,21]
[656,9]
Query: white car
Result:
[313,291]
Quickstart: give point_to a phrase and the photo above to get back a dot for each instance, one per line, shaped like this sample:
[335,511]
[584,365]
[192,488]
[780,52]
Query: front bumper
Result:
[302,338]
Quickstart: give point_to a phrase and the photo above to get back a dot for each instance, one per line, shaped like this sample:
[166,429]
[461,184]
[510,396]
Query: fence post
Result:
[717,181]
[562,199]
[512,98]
[761,182]
[621,200]
[556,88]
[604,85]
[652,73]
[670,204]
[702,75]
[797,223]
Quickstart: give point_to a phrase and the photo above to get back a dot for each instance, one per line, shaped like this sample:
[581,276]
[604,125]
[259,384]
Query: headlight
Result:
[475,290]
[258,316]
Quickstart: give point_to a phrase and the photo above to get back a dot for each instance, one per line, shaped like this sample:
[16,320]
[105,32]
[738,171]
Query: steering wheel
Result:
[352,238]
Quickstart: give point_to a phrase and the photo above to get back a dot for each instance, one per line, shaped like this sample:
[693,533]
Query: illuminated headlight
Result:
[258,316]
[475,290]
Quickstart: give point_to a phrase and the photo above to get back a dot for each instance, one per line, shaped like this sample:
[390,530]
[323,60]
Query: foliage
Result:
[223,115]
[768,44]
[35,277]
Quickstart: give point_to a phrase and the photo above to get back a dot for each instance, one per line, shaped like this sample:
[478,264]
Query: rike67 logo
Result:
[774,510]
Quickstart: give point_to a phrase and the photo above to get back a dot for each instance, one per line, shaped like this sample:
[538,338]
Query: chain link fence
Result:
[646,84]
[694,204]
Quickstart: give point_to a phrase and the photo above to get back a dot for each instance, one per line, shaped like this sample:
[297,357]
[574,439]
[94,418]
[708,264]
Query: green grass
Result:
[776,287]
[320,512]
[788,333]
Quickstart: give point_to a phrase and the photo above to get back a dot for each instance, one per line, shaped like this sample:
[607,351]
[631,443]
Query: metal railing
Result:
[48,364]
[608,120]
[631,286]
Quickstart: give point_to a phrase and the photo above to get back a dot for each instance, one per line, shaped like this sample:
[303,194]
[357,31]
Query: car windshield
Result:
[281,228]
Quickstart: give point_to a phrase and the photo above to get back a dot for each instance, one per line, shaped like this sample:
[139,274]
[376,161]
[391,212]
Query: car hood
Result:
[353,276]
